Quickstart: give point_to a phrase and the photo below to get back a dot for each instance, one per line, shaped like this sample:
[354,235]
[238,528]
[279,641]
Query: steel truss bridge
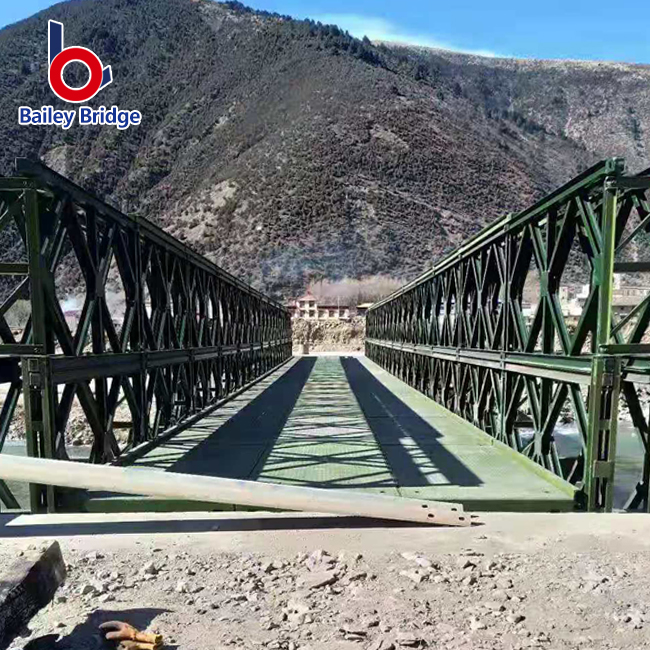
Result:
[459,335]
[185,337]
[110,324]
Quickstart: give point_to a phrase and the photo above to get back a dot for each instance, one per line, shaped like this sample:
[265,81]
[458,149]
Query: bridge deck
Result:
[343,422]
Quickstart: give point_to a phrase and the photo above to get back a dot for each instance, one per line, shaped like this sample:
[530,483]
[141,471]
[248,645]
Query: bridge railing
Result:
[490,333]
[124,329]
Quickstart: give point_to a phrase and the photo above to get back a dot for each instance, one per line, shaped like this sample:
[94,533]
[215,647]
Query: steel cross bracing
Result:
[161,335]
[459,333]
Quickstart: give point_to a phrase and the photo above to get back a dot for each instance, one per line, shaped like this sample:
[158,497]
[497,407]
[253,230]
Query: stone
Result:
[381,644]
[319,579]
[150,568]
[493,606]
[416,575]
[465,563]
[515,619]
[359,575]
[408,639]
[353,634]
[93,556]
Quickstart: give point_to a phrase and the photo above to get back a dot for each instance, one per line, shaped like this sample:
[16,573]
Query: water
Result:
[629,456]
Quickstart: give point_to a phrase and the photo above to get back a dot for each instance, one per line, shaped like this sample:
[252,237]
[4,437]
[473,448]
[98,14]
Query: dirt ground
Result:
[297,582]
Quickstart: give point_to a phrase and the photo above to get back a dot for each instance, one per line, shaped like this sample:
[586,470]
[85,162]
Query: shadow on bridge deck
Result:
[343,422]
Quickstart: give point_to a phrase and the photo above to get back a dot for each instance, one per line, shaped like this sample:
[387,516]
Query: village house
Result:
[308,307]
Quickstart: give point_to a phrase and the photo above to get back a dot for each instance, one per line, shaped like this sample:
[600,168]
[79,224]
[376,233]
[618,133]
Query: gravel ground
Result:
[562,592]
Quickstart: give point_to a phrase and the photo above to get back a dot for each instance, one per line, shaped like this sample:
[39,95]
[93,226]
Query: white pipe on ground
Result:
[155,483]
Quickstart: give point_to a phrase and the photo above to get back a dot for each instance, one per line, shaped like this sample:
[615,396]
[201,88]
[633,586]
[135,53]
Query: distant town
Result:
[308,307]
[572,301]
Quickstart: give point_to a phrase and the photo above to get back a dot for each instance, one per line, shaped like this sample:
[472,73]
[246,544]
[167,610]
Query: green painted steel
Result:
[344,423]
[160,335]
[460,335]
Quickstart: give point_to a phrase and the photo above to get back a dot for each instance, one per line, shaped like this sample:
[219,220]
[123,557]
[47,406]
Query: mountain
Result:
[285,150]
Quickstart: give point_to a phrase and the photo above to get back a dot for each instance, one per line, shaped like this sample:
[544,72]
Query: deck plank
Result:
[345,423]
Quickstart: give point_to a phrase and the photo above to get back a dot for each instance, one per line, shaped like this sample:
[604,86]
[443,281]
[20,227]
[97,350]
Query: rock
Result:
[409,640]
[477,624]
[353,634]
[381,644]
[181,587]
[494,606]
[465,563]
[93,556]
[409,557]
[515,619]
[319,579]
[150,569]
[317,558]
[417,559]
[359,575]
[416,575]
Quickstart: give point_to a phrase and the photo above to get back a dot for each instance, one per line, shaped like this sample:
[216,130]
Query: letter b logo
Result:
[59,56]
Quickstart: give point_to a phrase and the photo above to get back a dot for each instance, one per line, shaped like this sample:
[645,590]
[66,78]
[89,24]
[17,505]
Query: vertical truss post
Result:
[39,393]
[505,296]
[605,371]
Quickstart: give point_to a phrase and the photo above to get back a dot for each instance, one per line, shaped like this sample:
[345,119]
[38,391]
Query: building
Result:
[362,309]
[624,297]
[309,307]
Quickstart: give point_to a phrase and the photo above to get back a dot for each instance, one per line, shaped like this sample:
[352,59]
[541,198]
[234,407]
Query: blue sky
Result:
[553,29]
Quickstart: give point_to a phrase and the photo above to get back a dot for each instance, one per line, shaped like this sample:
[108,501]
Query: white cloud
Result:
[378,29]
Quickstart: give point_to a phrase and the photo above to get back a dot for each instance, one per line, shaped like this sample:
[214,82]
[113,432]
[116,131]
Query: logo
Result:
[99,77]
[59,56]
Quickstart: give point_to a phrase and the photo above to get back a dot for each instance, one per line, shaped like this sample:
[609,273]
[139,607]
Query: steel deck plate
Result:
[343,422]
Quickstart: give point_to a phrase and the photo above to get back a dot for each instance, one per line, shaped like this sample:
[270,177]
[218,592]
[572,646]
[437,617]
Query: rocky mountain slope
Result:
[285,149]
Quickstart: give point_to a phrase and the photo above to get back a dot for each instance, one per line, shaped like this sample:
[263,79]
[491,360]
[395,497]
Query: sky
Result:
[553,29]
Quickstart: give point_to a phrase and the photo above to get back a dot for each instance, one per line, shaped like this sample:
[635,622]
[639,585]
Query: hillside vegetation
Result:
[286,150]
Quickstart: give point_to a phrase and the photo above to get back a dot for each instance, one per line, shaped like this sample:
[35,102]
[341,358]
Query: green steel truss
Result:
[460,332]
[159,333]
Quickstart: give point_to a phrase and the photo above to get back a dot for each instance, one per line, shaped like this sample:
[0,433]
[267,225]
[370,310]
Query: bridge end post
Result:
[605,369]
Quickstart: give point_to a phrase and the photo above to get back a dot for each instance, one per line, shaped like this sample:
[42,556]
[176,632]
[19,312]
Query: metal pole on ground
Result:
[221,490]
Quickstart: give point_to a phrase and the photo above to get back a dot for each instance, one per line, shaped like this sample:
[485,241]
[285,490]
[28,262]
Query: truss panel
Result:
[158,334]
[465,334]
